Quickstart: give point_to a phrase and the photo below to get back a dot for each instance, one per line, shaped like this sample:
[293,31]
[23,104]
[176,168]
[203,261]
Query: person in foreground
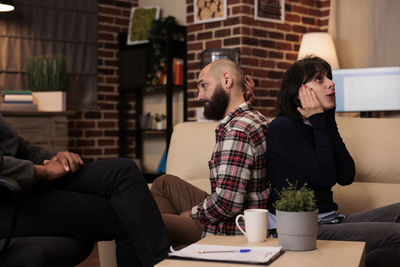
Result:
[237,167]
[304,145]
[61,196]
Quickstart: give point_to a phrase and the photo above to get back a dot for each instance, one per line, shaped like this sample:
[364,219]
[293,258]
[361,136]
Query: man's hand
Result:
[310,104]
[51,171]
[71,162]
[248,89]
[186,213]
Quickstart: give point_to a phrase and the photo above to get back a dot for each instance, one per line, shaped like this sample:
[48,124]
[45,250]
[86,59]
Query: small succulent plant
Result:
[296,199]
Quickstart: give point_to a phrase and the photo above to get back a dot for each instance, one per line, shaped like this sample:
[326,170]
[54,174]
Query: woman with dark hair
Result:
[304,145]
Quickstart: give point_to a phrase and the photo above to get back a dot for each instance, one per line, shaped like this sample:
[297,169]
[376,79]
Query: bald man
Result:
[237,167]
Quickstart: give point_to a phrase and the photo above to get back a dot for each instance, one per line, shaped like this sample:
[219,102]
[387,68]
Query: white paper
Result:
[256,255]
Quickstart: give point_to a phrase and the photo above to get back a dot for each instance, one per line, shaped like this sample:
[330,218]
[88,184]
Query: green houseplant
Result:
[160,119]
[158,35]
[47,78]
[296,218]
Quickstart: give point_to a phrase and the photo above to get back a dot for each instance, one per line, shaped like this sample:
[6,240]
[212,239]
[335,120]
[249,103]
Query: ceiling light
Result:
[6,5]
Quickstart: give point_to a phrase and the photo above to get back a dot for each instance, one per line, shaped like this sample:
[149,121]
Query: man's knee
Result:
[163,181]
[122,170]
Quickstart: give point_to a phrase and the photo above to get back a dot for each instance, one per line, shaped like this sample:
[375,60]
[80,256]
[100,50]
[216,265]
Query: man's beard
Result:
[215,108]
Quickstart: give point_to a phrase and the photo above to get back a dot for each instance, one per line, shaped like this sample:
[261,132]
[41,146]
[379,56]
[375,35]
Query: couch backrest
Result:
[190,150]
[374,145]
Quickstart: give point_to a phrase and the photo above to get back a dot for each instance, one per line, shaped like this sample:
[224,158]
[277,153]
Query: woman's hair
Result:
[301,72]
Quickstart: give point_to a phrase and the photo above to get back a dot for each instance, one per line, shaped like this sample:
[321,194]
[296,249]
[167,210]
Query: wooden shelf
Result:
[132,70]
[153,131]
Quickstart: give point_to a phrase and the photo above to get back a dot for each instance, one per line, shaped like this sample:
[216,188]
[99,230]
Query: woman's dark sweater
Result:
[314,154]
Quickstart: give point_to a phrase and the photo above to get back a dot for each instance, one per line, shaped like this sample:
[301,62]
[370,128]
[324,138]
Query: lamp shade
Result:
[6,5]
[319,44]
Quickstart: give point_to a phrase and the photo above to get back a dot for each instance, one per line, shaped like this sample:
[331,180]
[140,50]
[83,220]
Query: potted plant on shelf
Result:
[160,119]
[296,218]
[47,81]
[156,66]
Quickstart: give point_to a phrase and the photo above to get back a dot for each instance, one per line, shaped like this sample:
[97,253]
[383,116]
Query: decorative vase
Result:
[297,230]
[51,100]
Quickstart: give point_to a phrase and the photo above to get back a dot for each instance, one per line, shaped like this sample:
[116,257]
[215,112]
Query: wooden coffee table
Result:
[328,253]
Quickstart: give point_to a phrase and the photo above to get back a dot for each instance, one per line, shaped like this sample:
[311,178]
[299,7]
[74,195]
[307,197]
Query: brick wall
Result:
[267,49]
[94,133]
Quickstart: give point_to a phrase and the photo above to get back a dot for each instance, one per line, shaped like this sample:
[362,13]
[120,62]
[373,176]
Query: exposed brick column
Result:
[267,49]
[94,133]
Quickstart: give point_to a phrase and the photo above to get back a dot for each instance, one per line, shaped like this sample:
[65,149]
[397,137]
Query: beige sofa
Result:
[373,143]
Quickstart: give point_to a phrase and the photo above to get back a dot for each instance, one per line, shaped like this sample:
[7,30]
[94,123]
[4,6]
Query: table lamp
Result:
[319,44]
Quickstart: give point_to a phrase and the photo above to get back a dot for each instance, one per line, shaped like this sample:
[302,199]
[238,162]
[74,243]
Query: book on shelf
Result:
[23,96]
[177,71]
[17,92]
[18,107]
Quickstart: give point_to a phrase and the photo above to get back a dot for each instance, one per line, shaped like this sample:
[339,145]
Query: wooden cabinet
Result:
[170,98]
[48,130]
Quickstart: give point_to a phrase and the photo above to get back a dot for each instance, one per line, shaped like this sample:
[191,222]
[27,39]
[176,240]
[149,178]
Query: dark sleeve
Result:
[17,169]
[21,166]
[308,151]
[345,167]
[32,152]
[17,156]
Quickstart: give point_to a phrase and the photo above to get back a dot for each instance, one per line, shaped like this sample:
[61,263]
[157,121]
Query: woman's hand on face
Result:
[248,89]
[310,104]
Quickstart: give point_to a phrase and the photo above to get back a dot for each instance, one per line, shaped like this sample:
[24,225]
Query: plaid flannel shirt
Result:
[237,171]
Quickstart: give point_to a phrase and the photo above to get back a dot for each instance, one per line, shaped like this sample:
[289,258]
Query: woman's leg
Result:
[382,239]
[173,196]
[390,213]
[379,228]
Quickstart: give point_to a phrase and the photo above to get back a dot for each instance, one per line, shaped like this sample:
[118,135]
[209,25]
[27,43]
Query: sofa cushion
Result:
[374,145]
[190,150]
[364,196]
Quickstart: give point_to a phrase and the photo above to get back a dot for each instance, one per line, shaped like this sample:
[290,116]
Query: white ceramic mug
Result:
[255,223]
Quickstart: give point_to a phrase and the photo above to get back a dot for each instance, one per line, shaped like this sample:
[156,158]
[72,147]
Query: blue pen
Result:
[224,251]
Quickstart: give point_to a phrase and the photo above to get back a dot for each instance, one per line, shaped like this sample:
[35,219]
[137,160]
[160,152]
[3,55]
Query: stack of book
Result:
[18,100]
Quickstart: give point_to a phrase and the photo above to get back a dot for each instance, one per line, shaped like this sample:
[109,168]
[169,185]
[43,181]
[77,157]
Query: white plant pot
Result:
[50,101]
[297,230]
[160,125]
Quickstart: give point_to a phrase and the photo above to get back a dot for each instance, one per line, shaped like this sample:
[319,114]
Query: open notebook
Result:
[255,255]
